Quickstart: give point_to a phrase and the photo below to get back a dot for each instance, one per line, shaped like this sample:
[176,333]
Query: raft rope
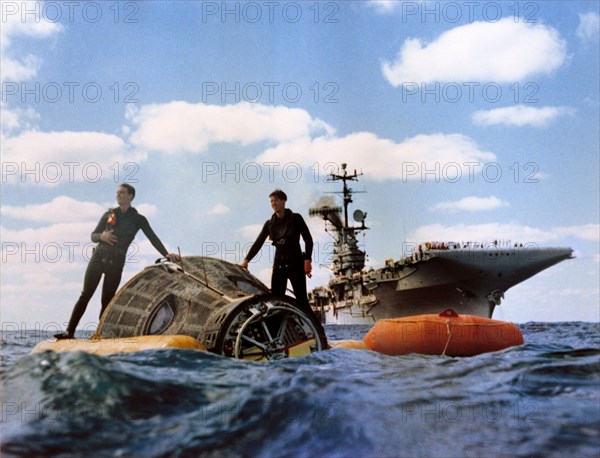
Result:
[449,336]
[486,325]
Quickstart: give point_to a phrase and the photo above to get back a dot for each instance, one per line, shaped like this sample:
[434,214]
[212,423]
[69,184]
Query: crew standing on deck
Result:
[285,228]
[113,234]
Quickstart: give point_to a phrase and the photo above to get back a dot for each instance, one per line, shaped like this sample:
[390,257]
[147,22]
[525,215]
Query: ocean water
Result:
[540,399]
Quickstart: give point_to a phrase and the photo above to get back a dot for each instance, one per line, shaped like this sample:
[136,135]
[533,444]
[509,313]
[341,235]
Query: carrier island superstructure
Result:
[471,278]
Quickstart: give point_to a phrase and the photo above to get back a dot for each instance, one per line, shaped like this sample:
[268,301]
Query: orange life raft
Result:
[443,334]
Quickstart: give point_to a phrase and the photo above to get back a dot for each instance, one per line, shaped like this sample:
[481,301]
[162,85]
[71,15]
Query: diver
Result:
[113,234]
[284,228]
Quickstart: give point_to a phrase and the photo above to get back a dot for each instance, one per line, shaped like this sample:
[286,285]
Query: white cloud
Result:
[60,209]
[520,116]
[145,209]
[590,232]
[57,157]
[50,158]
[580,293]
[14,70]
[63,146]
[18,119]
[66,210]
[505,231]
[472,203]
[384,6]
[15,24]
[189,128]
[220,209]
[61,233]
[588,30]
[10,120]
[382,159]
[409,8]
[251,231]
[503,51]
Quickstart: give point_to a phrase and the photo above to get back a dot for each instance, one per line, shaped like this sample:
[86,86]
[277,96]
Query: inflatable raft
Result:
[445,334]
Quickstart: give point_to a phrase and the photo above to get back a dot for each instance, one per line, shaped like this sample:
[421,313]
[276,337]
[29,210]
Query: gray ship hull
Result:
[470,278]
[470,281]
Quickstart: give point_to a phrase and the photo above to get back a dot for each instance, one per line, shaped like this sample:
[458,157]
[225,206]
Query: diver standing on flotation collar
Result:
[113,234]
[284,228]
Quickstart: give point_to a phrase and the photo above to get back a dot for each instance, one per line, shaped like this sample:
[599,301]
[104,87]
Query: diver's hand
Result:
[308,268]
[109,237]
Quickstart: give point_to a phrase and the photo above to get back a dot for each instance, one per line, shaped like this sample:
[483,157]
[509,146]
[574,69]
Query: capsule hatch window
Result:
[246,286]
[161,318]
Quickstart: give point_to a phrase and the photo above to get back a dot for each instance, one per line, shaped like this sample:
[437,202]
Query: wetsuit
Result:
[289,258]
[109,260]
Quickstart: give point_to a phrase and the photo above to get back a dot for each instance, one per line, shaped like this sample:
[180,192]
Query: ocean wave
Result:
[537,399]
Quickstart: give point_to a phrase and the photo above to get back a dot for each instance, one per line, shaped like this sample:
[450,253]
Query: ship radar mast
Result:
[348,259]
[359,216]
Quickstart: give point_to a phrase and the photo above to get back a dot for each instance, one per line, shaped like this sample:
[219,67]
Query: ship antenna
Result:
[347,192]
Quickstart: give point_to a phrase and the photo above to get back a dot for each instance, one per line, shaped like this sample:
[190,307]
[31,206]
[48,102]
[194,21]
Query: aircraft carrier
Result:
[470,278]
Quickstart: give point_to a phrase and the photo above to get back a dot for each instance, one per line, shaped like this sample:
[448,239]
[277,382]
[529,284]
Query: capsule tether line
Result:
[449,336]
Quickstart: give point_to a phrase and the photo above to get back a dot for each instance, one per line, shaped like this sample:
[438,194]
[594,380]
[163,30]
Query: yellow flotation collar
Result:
[120,345]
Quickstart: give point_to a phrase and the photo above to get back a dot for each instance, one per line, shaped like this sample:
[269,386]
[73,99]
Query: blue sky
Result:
[470,121]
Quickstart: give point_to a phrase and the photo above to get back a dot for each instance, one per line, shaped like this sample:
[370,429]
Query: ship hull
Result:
[469,281]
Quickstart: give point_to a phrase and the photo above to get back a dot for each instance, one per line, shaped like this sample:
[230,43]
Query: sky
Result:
[469,121]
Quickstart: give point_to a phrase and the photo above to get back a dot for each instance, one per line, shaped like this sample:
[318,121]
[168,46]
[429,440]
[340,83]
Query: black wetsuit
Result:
[109,260]
[289,258]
